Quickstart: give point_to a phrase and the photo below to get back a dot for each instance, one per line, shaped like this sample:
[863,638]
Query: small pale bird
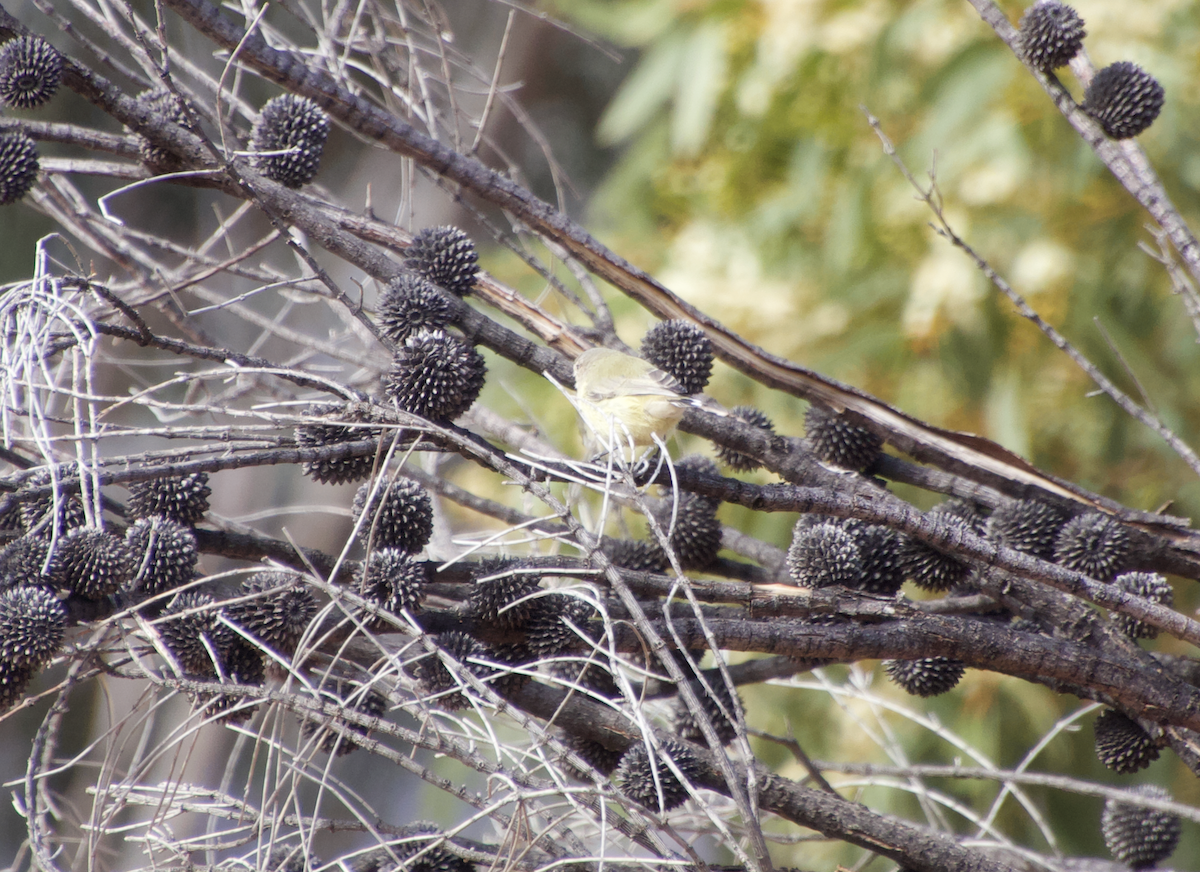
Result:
[627,397]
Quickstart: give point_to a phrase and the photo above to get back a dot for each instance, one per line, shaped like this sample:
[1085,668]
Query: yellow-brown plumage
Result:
[627,397]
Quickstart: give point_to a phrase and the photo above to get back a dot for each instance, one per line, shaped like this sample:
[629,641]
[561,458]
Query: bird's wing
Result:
[655,383]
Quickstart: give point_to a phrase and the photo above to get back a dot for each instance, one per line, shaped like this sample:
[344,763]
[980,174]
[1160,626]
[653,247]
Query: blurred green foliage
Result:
[751,184]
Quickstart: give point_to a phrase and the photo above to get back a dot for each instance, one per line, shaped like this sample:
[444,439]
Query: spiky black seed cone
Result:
[436,678]
[593,676]
[186,635]
[1051,34]
[179,498]
[640,555]
[370,703]
[291,859]
[22,560]
[603,760]
[91,563]
[296,126]
[400,515]
[549,631]
[1094,544]
[31,626]
[929,676]
[163,105]
[242,663]
[19,166]
[163,553]
[681,349]
[436,375]
[1147,585]
[696,539]
[735,460]
[409,304]
[824,556]
[879,553]
[415,854]
[1121,743]
[445,256]
[14,679]
[1124,99]
[961,512]
[929,568]
[30,70]
[278,610]
[394,581]
[512,666]
[36,513]
[686,725]
[1137,836]
[337,470]
[636,779]
[506,601]
[835,440]
[1030,526]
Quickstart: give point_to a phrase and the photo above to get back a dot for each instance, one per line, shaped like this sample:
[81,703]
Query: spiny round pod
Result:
[91,563]
[513,665]
[291,859]
[961,512]
[14,680]
[1051,34]
[368,702]
[681,349]
[445,256]
[879,553]
[639,555]
[31,626]
[735,460]
[394,581]
[928,676]
[343,427]
[824,556]
[1029,526]
[929,568]
[278,609]
[179,498]
[242,663]
[1094,544]
[160,104]
[436,375]
[197,629]
[425,851]
[696,539]
[163,553]
[1137,836]
[1121,743]
[1124,99]
[30,72]
[36,513]
[603,760]
[22,562]
[409,304]
[506,601]
[1147,585]
[557,622]
[835,440]
[297,128]
[436,678]
[399,516]
[19,166]
[635,777]
[686,725]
